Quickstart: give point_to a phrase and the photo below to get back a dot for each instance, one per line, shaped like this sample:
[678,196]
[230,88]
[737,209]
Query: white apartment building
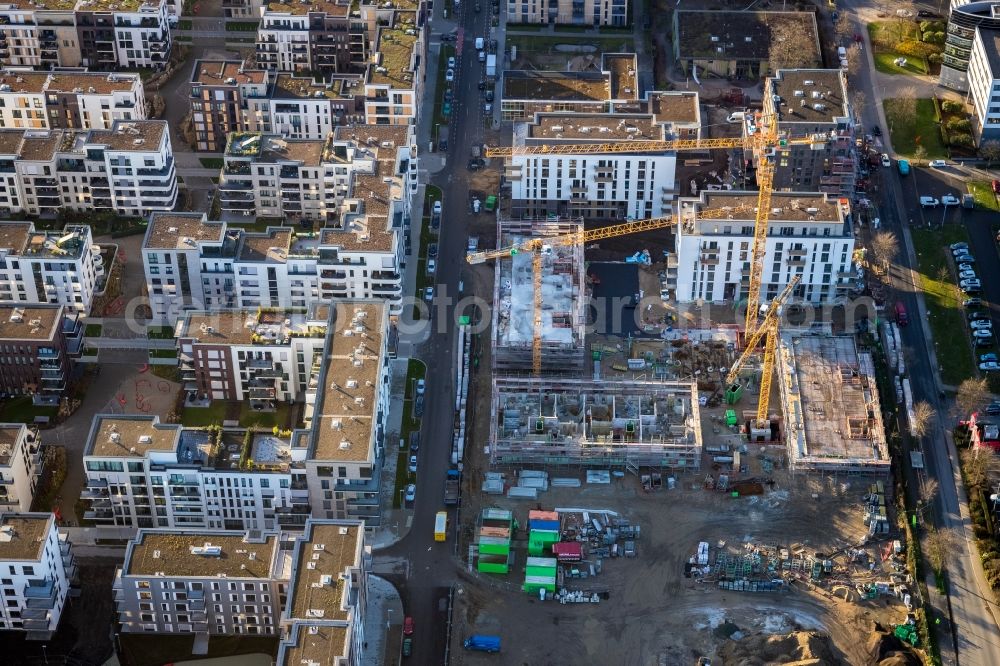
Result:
[201,582]
[68,99]
[36,570]
[611,185]
[193,264]
[393,86]
[142,32]
[57,267]
[19,466]
[300,108]
[809,234]
[311,584]
[141,473]
[260,357]
[984,83]
[38,33]
[139,165]
[569,12]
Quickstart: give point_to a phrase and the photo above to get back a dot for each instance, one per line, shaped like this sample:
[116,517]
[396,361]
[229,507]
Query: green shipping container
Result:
[543,572]
[548,562]
[534,583]
[494,564]
[539,541]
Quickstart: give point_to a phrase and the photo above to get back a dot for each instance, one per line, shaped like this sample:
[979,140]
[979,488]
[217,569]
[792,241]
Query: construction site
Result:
[560,288]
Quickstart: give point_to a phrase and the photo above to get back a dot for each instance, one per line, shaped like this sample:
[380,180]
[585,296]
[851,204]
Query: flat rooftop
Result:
[70,243]
[22,81]
[556,86]
[10,433]
[40,146]
[51,5]
[343,424]
[267,246]
[30,322]
[92,83]
[675,107]
[593,127]
[181,231]
[330,550]
[242,327]
[191,554]
[287,86]
[830,402]
[10,141]
[131,135]
[395,49]
[315,644]
[225,73]
[374,136]
[622,66]
[305,7]
[741,35]
[273,148]
[810,95]
[14,236]
[22,536]
[130,436]
[785,206]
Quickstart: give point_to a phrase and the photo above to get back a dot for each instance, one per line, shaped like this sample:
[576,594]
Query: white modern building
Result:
[38,568]
[984,83]
[68,99]
[48,267]
[139,164]
[19,466]
[142,31]
[809,235]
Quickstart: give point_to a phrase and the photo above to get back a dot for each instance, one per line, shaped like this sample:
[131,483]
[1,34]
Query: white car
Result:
[664,295]
[886,162]
[950,200]
[982,333]
[989,366]
[428,293]
[411,492]
[437,207]
[970,283]
[929,202]
[413,465]
[963,246]
[420,386]
[937,164]
[449,76]
[965,267]
[968,275]
[432,266]
[980,324]
[451,62]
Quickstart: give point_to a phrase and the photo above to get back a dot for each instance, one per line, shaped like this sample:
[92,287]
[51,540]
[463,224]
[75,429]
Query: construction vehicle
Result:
[762,138]
[537,246]
[767,331]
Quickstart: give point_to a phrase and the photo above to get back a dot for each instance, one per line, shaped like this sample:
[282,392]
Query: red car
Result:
[996,187]
[408,626]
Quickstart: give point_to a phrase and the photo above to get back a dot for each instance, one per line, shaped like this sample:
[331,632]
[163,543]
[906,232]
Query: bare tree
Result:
[976,464]
[843,26]
[884,245]
[972,394]
[919,153]
[853,59]
[791,47]
[922,415]
[859,99]
[990,151]
[903,109]
[937,546]
[928,489]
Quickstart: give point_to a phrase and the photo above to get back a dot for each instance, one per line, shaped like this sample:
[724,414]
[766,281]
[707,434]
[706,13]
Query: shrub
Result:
[935,58]
[961,140]
[951,106]
[961,125]
[915,49]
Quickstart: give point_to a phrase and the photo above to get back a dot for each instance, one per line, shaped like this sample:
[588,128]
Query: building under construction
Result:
[627,423]
[562,299]
[832,417]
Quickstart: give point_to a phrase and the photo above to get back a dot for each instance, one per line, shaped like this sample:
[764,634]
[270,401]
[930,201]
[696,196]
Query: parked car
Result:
[449,75]
[408,626]
[421,386]
[451,62]
[983,342]
[982,333]
[958,246]
[429,293]
[413,465]
[970,289]
[950,200]
[968,275]
[431,265]
[976,314]
[411,492]
[989,366]
[965,258]
[489,95]
[989,357]
[972,303]
[923,13]
[886,162]
[968,282]
[407,646]
[965,267]
[929,202]
[432,250]
[980,324]
[993,409]
[996,186]
[937,164]
[437,207]
[476,163]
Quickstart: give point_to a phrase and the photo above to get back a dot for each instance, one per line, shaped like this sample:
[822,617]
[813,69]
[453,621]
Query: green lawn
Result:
[415,370]
[546,43]
[892,31]
[982,190]
[884,62]
[944,301]
[242,26]
[212,162]
[184,24]
[162,353]
[908,131]
[160,332]
[92,331]
[220,410]
[447,50]
[201,417]
[20,410]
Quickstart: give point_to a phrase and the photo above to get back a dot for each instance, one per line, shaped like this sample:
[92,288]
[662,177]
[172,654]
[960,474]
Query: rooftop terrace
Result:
[130,436]
[395,63]
[809,95]
[240,327]
[556,86]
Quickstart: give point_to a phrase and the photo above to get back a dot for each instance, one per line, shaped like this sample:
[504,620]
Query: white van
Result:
[841,52]
[736,117]
[482,56]
[479,43]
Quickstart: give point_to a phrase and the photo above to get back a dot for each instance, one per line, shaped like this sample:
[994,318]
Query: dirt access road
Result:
[654,614]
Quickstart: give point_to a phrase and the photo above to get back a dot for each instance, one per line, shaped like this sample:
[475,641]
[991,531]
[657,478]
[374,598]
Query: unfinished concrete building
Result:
[605,423]
[833,421]
[563,299]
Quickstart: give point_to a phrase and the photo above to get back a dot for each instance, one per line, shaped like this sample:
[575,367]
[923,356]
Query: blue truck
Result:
[482,643]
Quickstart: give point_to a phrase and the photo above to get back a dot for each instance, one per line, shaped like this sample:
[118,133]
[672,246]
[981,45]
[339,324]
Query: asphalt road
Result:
[432,568]
[977,636]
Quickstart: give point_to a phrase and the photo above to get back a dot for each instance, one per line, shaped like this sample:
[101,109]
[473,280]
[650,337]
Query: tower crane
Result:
[768,331]
[765,141]
[537,245]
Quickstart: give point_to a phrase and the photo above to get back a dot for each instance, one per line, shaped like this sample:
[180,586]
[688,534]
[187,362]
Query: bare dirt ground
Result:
[654,614]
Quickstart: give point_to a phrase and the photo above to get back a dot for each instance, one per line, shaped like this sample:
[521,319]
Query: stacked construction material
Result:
[495,532]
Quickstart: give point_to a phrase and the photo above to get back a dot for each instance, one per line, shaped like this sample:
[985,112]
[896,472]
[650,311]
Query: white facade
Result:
[139,165]
[984,83]
[808,235]
[285,38]
[48,267]
[142,35]
[69,99]
[37,566]
[19,467]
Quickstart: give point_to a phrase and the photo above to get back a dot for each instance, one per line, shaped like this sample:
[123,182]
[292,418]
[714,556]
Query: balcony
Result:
[97,483]
[41,594]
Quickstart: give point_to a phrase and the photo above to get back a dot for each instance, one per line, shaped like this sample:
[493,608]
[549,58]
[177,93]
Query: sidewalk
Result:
[383,626]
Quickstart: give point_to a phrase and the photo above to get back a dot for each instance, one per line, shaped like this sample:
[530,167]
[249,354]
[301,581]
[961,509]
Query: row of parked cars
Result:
[980,322]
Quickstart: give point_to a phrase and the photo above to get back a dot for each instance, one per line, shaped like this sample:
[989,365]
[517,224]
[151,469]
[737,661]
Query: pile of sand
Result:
[799,647]
[884,649]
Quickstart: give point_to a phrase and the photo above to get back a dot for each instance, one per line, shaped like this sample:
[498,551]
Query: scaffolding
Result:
[833,420]
[606,423]
[563,299]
